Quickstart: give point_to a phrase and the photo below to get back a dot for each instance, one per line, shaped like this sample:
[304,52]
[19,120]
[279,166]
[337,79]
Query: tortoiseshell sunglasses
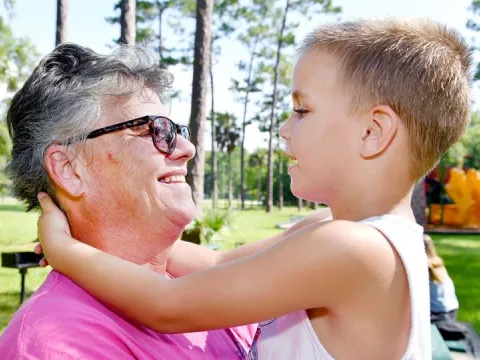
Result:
[163,130]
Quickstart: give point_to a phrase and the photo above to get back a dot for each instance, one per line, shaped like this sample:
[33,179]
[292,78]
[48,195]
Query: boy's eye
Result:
[301,112]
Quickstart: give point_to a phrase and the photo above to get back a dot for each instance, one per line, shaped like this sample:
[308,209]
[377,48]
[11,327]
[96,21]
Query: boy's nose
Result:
[284,131]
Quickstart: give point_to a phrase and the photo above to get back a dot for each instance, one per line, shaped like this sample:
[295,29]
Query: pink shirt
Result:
[62,321]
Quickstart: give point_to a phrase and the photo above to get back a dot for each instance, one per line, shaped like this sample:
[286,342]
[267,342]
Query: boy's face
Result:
[321,136]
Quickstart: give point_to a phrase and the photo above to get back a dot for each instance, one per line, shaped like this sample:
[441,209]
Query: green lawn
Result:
[18,230]
[461,254]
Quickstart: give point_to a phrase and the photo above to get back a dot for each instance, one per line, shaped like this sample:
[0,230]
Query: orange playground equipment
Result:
[453,198]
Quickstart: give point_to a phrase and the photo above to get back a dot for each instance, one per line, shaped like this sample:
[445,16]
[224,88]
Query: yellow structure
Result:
[463,188]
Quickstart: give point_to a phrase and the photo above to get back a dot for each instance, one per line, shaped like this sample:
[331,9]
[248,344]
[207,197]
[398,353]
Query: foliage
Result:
[474,24]
[206,228]
[227,131]
[469,146]
[17,57]
[153,12]
[5,142]
[4,185]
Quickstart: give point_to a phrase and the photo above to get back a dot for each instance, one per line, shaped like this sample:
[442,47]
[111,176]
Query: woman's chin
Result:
[183,215]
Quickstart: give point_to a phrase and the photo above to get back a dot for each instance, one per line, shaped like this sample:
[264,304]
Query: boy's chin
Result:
[302,193]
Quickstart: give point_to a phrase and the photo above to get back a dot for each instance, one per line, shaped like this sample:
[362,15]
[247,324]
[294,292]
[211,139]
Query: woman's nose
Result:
[183,149]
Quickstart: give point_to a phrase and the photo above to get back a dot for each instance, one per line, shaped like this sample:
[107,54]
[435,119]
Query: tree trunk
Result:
[300,204]
[259,186]
[273,116]
[280,182]
[230,182]
[160,38]
[198,118]
[62,23]
[244,125]
[214,137]
[127,22]
[222,179]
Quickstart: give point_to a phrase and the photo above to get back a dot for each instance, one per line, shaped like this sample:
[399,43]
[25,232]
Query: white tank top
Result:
[292,337]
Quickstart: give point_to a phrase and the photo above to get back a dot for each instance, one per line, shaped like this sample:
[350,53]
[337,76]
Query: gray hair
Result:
[63,98]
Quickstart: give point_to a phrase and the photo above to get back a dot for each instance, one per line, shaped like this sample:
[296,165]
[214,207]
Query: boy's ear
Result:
[66,170]
[380,128]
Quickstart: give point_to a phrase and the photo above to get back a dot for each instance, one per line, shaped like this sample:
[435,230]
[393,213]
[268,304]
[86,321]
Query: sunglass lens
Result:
[185,132]
[164,135]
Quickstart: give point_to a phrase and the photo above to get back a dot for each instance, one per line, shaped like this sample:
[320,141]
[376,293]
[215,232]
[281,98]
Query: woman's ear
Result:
[379,130]
[67,170]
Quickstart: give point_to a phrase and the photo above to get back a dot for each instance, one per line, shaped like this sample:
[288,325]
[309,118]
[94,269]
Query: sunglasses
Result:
[163,130]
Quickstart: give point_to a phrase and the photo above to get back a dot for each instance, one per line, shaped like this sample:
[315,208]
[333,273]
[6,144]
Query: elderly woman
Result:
[93,132]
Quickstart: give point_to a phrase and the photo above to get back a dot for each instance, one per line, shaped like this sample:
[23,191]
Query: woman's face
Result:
[130,178]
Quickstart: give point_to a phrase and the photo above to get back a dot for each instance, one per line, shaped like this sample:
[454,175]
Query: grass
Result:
[461,254]
[18,229]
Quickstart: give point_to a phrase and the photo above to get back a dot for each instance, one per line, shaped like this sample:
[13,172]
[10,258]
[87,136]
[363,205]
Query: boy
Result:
[381,101]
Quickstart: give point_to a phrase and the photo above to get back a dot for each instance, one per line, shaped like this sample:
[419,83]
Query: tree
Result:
[257,161]
[127,22]
[8,5]
[61,35]
[474,24]
[147,12]
[213,127]
[283,110]
[220,10]
[280,154]
[469,145]
[17,59]
[255,31]
[223,12]
[285,37]
[227,134]
[198,116]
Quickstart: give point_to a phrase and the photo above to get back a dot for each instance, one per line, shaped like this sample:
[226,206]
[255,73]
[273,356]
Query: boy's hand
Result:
[52,227]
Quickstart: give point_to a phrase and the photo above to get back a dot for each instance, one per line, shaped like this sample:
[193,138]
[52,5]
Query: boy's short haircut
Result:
[419,68]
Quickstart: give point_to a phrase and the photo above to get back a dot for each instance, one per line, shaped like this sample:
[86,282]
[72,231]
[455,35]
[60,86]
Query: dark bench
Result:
[22,261]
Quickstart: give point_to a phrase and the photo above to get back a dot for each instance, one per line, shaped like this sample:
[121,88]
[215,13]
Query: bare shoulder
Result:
[355,256]
[348,238]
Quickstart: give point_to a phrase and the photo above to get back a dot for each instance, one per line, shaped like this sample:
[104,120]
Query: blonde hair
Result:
[420,69]
[436,267]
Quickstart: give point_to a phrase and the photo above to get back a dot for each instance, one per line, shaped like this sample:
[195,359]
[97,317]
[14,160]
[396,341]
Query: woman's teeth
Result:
[173,179]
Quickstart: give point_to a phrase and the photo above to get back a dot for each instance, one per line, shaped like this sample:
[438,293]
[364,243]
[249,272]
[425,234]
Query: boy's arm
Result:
[321,265]
[186,257]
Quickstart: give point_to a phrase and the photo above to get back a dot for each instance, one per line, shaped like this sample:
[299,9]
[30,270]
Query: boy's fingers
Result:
[38,249]
[46,203]
[43,262]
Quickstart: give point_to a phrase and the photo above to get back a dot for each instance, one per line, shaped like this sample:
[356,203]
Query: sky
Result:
[35,19]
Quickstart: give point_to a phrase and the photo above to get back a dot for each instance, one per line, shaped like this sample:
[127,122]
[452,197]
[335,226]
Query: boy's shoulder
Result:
[364,246]
[352,243]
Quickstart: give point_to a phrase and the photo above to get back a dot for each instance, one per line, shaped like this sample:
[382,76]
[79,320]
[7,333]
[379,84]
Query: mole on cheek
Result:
[112,158]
